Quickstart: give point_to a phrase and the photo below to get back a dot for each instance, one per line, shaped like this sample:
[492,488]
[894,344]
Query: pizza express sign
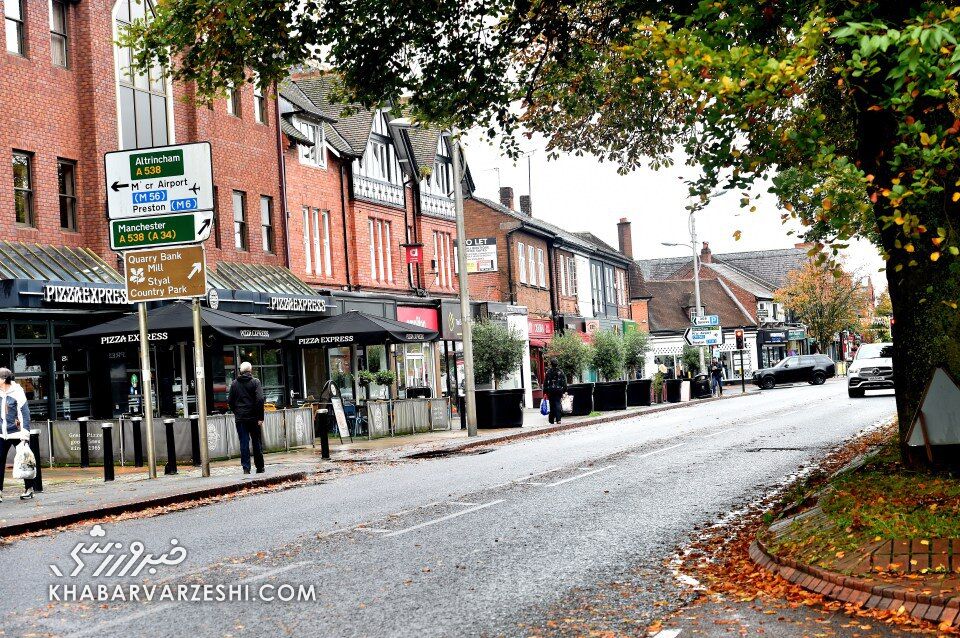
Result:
[82,295]
[298,304]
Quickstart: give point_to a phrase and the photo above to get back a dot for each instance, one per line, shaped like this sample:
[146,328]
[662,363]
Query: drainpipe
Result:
[343,217]
[283,181]
[409,230]
[510,283]
[554,302]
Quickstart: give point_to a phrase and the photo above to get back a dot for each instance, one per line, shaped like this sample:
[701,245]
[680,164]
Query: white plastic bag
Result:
[566,403]
[24,463]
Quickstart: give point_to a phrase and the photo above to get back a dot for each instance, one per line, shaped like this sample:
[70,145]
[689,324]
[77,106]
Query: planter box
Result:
[609,396]
[673,389]
[638,392]
[499,408]
[582,394]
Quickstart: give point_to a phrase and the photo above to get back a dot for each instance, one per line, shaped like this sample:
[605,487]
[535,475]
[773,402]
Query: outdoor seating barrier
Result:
[171,465]
[137,435]
[107,429]
[84,442]
[195,439]
[35,448]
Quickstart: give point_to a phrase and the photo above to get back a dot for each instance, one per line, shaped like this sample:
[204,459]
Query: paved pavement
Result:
[500,542]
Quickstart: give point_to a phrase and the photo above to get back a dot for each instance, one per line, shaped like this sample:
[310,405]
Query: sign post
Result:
[159,274]
[201,389]
[146,386]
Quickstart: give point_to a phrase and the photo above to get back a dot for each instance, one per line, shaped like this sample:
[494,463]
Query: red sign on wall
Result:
[541,331]
[419,316]
[414,253]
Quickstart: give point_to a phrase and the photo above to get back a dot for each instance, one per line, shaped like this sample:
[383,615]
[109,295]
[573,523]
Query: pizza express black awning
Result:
[175,323]
[361,329]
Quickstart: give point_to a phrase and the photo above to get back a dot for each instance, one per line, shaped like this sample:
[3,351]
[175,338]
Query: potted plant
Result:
[608,359]
[497,353]
[364,379]
[385,378]
[657,386]
[636,345]
[573,355]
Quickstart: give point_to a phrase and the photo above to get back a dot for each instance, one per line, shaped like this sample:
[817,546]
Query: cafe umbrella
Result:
[355,328]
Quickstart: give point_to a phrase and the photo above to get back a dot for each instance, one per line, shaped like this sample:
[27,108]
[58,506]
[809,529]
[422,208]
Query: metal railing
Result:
[378,191]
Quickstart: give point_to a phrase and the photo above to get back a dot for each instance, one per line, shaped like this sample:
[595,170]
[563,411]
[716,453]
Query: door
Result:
[536,374]
[792,371]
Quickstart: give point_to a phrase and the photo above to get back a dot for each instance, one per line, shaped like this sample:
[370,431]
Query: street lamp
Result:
[696,274]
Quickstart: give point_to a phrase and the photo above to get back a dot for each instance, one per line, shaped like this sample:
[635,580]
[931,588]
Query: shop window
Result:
[23,188]
[58,33]
[13,23]
[314,372]
[67,183]
[142,92]
[72,380]
[4,332]
[31,369]
[32,331]
[341,370]
[267,367]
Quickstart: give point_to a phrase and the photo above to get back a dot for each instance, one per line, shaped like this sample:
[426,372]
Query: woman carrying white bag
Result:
[15,431]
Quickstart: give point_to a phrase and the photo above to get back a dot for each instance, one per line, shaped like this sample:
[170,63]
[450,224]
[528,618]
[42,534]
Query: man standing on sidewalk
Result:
[246,402]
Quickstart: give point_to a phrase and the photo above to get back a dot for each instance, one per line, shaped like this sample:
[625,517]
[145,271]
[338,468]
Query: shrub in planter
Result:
[635,348]
[638,392]
[385,378]
[657,385]
[608,358]
[497,353]
[691,359]
[571,353]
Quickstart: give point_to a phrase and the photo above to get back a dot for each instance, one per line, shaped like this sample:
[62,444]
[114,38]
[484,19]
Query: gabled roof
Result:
[292,92]
[661,269]
[671,301]
[423,143]
[351,121]
[602,245]
[744,280]
[758,270]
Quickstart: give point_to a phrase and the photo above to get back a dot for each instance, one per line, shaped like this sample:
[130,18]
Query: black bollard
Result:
[171,467]
[84,444]
[462,409]
[107,429]
[137,441]
[195,438]
[323,425]
[35,447]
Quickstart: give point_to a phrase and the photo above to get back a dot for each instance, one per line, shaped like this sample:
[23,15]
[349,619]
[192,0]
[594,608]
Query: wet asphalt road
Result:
[482,544]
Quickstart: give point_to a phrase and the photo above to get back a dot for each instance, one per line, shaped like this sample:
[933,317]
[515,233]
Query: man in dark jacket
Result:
[554,386]
[246,402]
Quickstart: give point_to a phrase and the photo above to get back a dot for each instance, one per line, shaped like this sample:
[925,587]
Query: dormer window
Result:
[380,158]
[441,180]
[312,155]
[692,310]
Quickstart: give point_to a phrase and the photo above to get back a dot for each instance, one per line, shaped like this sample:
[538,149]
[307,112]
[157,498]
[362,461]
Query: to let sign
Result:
[159,181]
[157,274]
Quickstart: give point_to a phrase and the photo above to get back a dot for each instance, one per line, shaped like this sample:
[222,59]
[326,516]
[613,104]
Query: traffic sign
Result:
[159,181]
[706,320]
[157,274]
[704,336]
[166,230]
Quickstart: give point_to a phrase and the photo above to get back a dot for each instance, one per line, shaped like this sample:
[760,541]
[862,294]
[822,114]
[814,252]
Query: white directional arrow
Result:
[197,267]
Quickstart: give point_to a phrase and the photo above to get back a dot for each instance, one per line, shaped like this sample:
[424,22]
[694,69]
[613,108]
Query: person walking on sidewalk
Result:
[716,378]
[246,402]
[554,386]
[14,424]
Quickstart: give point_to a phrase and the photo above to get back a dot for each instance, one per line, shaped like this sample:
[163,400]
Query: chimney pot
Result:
[625,237]
[525,205]
[706,255]
[506,196]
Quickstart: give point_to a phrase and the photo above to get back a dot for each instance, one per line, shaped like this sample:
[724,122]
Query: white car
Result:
[871,369]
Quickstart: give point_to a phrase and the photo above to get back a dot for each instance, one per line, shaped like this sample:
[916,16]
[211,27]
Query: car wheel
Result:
[767,383]
[854,394]
[818,378]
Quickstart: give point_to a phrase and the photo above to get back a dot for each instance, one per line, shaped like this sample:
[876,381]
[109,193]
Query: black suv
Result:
[812,368]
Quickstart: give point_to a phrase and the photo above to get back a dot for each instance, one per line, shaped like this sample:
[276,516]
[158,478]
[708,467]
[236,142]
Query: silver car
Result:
[871,369]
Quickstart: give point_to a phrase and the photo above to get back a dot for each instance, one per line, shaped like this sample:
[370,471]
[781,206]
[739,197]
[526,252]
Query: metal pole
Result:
[743,375]
[146,389]
[696,279]
[183,380]
[201,389]
[470,398]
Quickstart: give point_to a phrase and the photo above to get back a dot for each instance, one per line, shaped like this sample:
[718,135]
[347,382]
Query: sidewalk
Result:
[72,494]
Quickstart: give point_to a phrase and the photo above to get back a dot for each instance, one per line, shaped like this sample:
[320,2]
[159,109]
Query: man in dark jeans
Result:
[246,402]
[554,386]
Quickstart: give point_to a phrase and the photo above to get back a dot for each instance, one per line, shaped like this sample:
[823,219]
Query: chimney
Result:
[525,205]
[506,196]
[625,236]
[706,256]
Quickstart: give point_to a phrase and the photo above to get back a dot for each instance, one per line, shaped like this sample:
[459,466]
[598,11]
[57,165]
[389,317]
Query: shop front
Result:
[418,362]
[514,318]
[541,334]
[772,346]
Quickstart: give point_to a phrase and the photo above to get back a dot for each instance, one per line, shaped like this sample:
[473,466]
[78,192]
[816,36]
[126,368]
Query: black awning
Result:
[175,323]
[360,329]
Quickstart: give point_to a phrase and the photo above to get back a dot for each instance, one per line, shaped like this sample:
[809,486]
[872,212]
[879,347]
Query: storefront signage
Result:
[168,230]
[82,295]
[255,334]
[591,326]
[481,254]
[298,304]
[414,253]
[323,341]
[452,328]
[133,337]
[157,274]
[159,181]
[796,334]
[773,336]
[418,316]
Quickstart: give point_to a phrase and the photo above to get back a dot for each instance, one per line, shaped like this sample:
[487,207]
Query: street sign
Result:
[706,320]
[156,274]
[167,230]
[704,336]
[159,181]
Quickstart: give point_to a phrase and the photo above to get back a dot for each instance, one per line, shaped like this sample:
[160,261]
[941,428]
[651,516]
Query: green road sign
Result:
[168,230]
[156,164]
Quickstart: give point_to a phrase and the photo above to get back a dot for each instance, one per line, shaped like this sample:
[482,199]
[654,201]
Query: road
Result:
[493,544]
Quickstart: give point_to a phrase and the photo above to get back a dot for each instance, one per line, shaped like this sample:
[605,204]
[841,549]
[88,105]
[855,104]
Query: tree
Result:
[571,353]
[497,352]
[691,359]
[884,307]
[636,345]
[608,354]
[825,302]
[850,108]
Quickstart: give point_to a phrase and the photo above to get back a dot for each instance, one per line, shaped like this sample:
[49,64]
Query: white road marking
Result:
[707,436]
[530,476]
[667,633]
[580,476]
[663,449]
[464,503]
[375,530]
[443,518]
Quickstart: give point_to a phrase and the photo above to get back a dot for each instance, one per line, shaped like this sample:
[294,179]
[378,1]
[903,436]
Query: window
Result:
[259,104]
[572,274]
[58,32]
[23,188]
[240,220]
[233,102]
[596,282]
[313,155]
[610,293]
[13,23]
[381,259]
[142,93]
[380,158]
[67,184]
[315,223]
[522,262]
[541,275]
[325,222]
[562,273]
[621,287]
[266,222]
[441,249]
[215,227]
[307,264]
[531,266]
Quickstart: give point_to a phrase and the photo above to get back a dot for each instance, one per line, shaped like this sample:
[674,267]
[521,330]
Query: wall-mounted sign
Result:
[418,316]
[414,253]
[299,304]
[67,294]
[772,336]
[451,328]
[481,254]
[796,334]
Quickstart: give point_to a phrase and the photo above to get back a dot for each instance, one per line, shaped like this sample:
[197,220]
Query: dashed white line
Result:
[707,436]
[663,449]
[580,476]
[443,518]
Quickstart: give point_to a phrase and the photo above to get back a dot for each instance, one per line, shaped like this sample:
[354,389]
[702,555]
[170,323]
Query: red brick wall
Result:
[567,304]
[427,226]
[639,312]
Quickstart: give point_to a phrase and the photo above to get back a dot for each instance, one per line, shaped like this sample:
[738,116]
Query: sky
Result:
[584,194]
